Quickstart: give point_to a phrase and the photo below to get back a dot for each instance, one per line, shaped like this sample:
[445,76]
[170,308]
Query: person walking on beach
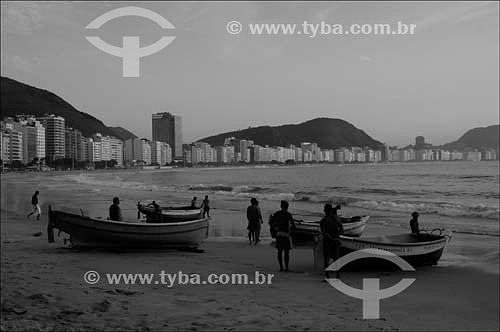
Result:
[35,207]
[284,225]
[254,218]
[205,204]
[115,213]
[193,202]
[414,223]
[331,228]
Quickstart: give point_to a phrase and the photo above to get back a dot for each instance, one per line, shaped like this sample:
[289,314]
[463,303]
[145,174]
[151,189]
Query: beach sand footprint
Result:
[102,306]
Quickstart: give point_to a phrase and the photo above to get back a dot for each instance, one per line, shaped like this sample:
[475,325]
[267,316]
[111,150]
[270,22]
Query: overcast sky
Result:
[439,82]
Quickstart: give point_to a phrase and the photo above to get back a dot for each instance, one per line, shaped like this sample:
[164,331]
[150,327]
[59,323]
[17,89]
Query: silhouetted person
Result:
[156,211]
[284,224]
[115,213]
[35,207]
[414,223]
[331,229]
[254,218]
[193,202]
[205,204]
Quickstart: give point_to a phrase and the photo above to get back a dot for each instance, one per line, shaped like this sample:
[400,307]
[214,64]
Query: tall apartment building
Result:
[105,148]
[419,142]
[167,128]
[33,137]
[161,153]
[54,136]
[72,142]
[12,146]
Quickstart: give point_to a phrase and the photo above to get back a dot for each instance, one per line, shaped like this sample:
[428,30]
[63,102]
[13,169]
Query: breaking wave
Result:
[354,198]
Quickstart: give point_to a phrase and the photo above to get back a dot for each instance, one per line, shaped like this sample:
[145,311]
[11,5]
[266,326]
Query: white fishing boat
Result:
[170,213]
[87,231]
[425,248]
[353,226]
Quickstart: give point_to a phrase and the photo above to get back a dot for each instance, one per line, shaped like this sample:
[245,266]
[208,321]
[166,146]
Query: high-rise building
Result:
[161,153]
[72,141]
[168,128]
[54,136]
[105,148]
[36,139]
[419,142]
[33,136]
[12,146]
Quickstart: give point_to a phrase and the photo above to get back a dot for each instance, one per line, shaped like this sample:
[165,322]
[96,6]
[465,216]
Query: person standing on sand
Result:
[284,225]
[414,223]
[331,228]
[254,218]
[205,204]
[115,213]
[35,206]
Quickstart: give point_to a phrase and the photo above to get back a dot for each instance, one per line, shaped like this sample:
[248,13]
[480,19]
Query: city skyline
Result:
[34,141]
[219,82]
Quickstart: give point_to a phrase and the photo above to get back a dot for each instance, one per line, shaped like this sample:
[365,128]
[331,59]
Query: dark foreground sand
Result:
[43,289]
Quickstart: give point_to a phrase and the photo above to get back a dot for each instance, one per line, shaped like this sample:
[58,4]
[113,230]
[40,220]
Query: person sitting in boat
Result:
[331,228]
[414,223]
[157,210]
[115,213]
[335,209]
[193,202]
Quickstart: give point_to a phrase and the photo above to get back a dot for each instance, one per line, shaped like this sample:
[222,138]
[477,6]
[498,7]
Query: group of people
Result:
[116,215]
[282,226]
[205,205]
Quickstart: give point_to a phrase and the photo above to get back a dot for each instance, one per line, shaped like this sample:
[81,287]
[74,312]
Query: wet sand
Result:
[43,288]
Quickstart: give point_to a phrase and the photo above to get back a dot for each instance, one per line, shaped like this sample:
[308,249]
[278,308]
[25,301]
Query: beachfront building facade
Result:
[36,139]
[73,141]
[33,137]
[161,153]
[55,147]
[167,128]
[105,148]
[137,151]
[12,146]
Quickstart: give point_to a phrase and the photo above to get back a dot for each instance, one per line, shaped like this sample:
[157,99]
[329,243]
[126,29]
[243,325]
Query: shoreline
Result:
[246,166]
[43,289]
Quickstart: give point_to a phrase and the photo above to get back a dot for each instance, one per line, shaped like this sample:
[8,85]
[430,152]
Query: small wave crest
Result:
[444,209]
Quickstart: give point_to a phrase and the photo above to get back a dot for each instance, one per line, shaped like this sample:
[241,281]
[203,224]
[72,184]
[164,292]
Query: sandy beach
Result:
[43,288]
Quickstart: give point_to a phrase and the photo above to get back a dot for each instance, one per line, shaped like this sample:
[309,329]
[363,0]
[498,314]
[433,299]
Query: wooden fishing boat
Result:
[170,213]
[353,226]
[417,249]
[86,231]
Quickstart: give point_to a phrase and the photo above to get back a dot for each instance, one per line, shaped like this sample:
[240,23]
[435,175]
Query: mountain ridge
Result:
[326,132]
[19,98]
[476,138]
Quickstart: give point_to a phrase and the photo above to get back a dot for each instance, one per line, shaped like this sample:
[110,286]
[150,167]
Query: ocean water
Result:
[461,196]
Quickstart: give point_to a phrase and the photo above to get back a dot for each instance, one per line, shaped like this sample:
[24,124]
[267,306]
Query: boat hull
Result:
[170,214]
[85,231]
[306,230]
[417,250]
